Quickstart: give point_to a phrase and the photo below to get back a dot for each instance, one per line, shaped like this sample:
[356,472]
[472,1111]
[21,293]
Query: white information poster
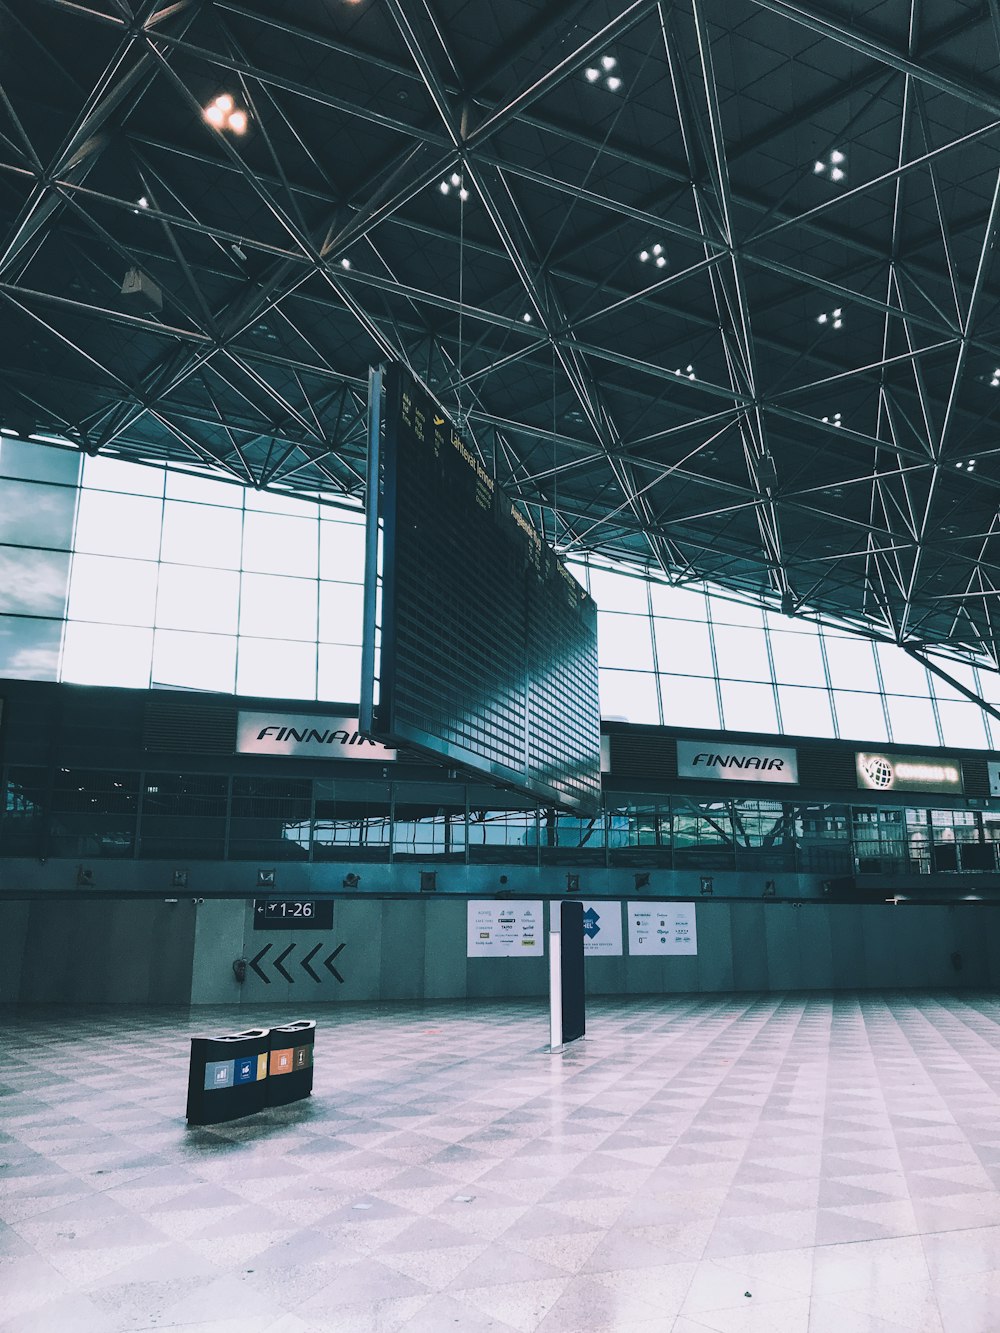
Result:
[994,772]
[513,929]
[662,928]
[602,929]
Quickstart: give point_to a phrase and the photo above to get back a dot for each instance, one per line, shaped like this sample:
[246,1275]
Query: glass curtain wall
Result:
[113,573]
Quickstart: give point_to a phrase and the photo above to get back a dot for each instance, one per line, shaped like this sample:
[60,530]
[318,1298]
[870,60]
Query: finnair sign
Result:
[720,761]
[306,735]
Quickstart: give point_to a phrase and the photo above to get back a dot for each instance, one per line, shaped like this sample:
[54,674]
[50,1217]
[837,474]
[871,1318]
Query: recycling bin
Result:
[290,1066]
[227,1077]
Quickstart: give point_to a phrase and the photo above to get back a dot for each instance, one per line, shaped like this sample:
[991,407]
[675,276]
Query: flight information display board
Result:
[488,644]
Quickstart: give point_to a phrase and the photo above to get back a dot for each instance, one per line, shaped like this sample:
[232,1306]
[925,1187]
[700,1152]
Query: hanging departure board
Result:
[488,644]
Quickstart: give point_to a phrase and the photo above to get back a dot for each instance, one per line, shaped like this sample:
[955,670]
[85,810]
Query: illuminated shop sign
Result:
[907,772]
[306,735]
[720,761]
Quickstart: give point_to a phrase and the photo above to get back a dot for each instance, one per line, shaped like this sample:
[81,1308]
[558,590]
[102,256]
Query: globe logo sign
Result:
[878,771]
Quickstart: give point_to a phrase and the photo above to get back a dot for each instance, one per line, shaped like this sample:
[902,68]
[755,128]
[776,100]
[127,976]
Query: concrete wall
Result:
[400,950]
[155,952]
[97,952]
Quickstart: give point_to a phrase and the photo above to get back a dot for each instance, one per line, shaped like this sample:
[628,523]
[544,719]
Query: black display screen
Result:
[488,643]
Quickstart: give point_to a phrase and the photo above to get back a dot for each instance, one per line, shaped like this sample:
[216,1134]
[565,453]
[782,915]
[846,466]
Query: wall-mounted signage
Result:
[292,914]
[306,736]
[994,772]
[505,929]
[662,928]
[602,930]
[907,772]
[719,760]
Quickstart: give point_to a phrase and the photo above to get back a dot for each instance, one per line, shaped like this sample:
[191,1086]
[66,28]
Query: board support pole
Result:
[555,980]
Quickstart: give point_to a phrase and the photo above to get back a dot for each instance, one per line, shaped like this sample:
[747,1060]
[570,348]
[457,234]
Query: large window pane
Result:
[278,608]
[110,524]
[33,514]
[617,592]
[798,659]
[29,648]
[273,667]
[273,544]
[340,612]
[726,612]
[689,701]
[805,712]
[748,707]
[198,599]
[624,641]
[962,724]
[103,473]
[860,717]
[851,662]
[912,720]
[117,592]
[684,647]
[274,502]
[901,674]
[629,696]
[342,551]
[29,461]
[194,661]
[352,821]
[339,673]
[202,535]
[107,655]
[33,582]
[680,603]
[203,490]
[741,653]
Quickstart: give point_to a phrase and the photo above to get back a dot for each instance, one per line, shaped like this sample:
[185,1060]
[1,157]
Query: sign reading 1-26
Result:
[292,914]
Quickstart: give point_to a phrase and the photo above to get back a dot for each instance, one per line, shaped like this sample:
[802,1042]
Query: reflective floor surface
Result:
[788,1164]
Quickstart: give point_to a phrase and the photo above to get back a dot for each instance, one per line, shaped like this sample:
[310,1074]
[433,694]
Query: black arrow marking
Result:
[328,964]
[254,961]
[280,959]
[308,959]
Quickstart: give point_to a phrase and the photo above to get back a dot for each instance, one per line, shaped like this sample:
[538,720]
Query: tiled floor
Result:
[746,1164]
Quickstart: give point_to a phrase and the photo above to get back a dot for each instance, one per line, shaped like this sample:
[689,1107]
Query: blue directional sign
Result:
[591,921]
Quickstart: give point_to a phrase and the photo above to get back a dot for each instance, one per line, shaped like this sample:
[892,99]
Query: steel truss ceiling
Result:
[695,417]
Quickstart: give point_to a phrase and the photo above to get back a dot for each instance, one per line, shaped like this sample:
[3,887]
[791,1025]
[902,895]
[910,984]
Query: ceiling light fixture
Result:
[526,317]
[656,253]
[834,164]
[995,381]
[833,317]
[222,114]
[832,421]
[604,70]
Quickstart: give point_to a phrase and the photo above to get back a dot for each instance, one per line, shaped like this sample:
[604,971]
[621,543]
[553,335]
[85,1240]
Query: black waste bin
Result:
[227,1077]
[290,1071]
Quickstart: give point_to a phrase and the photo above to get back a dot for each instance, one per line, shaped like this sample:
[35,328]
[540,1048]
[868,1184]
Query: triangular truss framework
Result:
[712,286]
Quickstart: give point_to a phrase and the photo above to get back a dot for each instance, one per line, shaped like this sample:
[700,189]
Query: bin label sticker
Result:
[219,1074]
[246,1070]
[281,1061]
[262,1065]
[300,1056]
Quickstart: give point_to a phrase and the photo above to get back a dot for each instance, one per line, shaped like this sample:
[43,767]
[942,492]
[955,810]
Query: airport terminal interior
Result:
[499,666]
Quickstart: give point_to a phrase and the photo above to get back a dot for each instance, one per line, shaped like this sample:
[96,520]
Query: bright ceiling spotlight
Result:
[644,255]
[614,83]
[456,179]
[463,194]
[591,74]
[345,263]
[608,63]
[526,317]
[444,187]
[833,317]
[834,163]
[222,114]
[660,261]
